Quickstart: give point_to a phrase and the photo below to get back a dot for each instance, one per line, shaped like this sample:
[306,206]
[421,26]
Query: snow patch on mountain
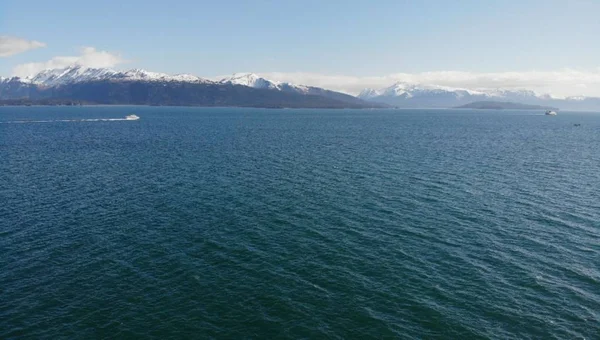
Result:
[250,80]
[368,93]
[78,74]
[425,95]
[408,90]
[5,80]
[143,75]
[257,82]
[53,77]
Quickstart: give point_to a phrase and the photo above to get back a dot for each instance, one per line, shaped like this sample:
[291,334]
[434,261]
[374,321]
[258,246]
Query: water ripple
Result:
[231,223]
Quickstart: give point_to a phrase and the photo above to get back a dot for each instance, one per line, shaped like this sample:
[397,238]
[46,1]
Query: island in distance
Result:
[494,105]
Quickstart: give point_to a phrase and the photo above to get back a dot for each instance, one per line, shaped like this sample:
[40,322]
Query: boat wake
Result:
[131,117]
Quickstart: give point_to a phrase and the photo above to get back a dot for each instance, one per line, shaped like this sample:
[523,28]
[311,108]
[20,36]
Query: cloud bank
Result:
[561,83]
[13,45]
[89,57]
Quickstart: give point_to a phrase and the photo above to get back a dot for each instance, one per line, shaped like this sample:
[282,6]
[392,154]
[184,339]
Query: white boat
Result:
[132,117]
[550,113]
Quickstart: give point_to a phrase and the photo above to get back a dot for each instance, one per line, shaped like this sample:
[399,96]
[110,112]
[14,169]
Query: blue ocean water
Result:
[252,223]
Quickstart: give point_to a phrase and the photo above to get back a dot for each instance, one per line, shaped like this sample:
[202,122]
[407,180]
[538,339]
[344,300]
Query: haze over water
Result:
[252,223]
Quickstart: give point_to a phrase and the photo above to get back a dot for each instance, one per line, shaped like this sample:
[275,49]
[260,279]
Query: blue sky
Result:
[349,38]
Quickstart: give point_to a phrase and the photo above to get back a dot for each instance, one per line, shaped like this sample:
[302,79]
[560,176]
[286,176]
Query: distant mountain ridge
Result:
[78,74]
[492,105]
[107,86]
[50,84]
[405,95]
[250,80]
[255,81]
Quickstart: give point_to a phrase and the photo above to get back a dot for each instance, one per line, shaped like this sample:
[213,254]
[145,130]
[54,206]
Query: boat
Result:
[550,113]
[132,117]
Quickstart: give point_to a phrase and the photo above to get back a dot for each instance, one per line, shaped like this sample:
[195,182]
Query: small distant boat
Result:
[132,117]
[550,113]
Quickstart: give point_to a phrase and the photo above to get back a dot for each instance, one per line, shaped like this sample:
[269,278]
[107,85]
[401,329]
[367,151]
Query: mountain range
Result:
[405,95]
[141,87]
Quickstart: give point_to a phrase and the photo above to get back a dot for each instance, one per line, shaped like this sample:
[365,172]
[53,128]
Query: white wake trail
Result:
[68,120]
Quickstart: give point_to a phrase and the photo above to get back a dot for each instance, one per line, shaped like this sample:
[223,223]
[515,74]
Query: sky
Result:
[548,46]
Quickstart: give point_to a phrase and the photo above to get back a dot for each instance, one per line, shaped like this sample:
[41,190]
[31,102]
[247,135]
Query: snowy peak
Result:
[164,89]
[74,74]
[78,74]
[420,95]
[5,80]
[188,78]
[257,82]
[409,90]
[250,80]
[368,93]
[140,74]
[402,89]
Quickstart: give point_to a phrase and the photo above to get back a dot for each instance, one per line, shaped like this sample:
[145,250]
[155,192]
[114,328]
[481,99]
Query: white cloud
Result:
[565,82]
[90,57]
[13,45]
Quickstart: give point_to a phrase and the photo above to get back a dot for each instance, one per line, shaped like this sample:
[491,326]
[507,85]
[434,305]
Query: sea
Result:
[239,223]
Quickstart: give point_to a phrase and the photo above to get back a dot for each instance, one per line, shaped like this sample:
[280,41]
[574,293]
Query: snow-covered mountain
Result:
[11,88]
[103,85]
[368,94]
[257,82]
[398,95]
[418,95]
[432,96]
[79,74]
[250,80]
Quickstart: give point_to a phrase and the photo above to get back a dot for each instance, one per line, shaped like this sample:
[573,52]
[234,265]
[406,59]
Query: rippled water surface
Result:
[248,223]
